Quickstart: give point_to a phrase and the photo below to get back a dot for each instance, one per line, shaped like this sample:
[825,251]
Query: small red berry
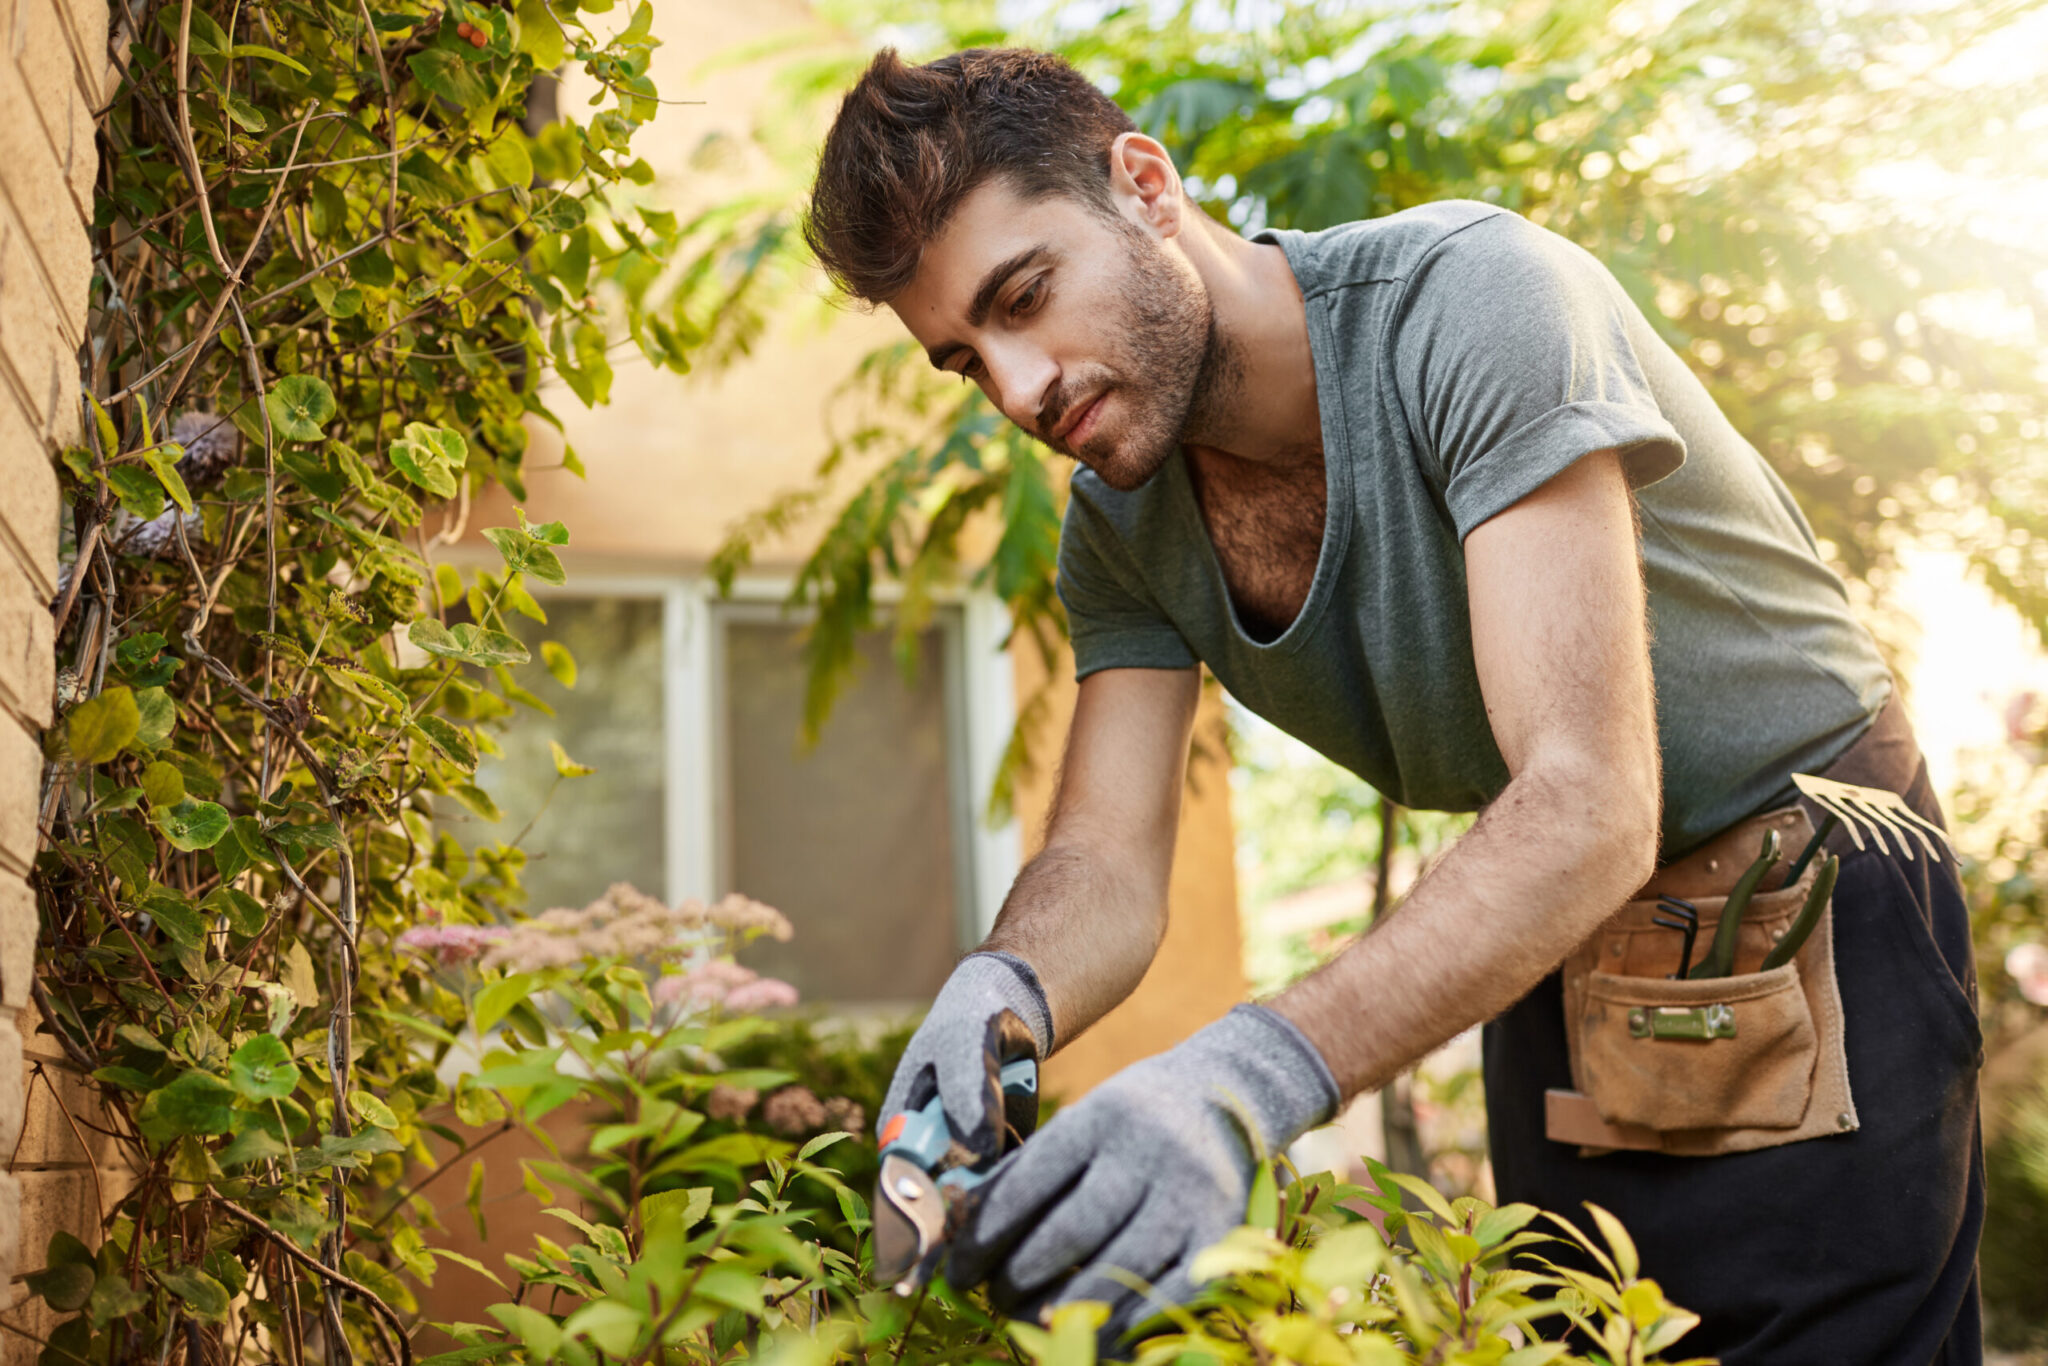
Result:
[462,29]
[477,38]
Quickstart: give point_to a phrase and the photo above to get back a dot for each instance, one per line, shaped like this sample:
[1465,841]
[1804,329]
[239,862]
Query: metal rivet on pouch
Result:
[1713,865]
[1845,1120]
[1615,948]
[1637,1019]
[1777,935]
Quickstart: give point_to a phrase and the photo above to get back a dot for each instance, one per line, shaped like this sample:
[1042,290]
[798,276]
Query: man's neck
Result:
[1258,399]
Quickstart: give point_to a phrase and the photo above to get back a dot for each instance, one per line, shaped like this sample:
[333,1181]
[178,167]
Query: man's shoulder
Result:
[1387,250]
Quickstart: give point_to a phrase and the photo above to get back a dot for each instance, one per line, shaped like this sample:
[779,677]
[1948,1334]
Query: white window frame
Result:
[980,700]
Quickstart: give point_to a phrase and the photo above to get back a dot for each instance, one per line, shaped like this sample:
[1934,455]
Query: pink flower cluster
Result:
[2028,966]
[451,944]
[623,923]
[721,981]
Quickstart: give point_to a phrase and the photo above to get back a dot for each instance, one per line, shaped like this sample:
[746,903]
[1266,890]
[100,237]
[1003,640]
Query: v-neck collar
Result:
[1337,497]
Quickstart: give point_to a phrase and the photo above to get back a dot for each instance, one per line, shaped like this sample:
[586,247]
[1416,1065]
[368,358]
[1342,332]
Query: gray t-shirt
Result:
[1463,357]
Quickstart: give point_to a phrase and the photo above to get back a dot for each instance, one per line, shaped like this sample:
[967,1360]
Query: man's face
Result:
[1089,333]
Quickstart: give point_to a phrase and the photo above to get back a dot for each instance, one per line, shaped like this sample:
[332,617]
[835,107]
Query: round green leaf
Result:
[64,1288]
[193,825]
[163,784]
[196,1103]
[262,1069]
[299,406]
[207,1297]
[371,1110]
[98,727]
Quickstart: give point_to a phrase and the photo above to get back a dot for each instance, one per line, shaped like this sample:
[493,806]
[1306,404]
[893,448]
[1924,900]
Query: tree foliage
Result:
[1765,177]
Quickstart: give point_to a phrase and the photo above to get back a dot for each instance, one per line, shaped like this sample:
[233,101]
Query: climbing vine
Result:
[346,257]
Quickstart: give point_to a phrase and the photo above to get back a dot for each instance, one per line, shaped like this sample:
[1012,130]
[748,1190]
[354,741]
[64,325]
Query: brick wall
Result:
[54,74]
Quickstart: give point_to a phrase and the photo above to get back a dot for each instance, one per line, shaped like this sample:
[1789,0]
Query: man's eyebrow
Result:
[985,297]
[998,275]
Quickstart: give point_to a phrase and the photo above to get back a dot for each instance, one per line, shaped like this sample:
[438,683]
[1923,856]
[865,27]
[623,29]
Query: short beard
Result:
[1177,371]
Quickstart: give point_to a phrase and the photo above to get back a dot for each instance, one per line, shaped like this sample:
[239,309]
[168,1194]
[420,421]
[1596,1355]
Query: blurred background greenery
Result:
[1836,210]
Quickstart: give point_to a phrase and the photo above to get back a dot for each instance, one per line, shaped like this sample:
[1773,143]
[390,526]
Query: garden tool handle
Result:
[1720,959]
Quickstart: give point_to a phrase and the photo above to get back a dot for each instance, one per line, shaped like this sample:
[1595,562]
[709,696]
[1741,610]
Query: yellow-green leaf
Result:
[163,784]
[99,727]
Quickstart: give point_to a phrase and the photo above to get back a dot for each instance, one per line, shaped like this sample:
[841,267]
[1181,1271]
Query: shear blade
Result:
[910,1218]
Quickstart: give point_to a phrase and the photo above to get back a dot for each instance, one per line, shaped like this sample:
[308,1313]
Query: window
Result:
[689,708]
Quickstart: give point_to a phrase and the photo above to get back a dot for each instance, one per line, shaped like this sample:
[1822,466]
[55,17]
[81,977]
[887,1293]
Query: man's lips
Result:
[1078,416]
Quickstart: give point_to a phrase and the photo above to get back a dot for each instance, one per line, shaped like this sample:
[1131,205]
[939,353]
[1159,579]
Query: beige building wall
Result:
[53,74]
[674,461]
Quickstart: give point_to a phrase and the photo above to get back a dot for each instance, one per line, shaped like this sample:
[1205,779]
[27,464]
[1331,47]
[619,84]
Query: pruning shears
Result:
[924,1192]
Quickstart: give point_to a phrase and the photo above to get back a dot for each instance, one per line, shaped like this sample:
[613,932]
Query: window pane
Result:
[607,826]
[853,840]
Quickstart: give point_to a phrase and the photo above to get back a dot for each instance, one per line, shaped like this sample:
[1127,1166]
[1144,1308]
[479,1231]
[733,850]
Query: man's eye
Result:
[1028,300]
[970,368]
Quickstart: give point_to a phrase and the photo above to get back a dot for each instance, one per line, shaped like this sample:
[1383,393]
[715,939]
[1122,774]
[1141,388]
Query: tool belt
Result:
[1725,1064]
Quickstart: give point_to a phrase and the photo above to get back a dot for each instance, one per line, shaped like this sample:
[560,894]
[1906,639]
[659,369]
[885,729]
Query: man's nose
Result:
[1023,378]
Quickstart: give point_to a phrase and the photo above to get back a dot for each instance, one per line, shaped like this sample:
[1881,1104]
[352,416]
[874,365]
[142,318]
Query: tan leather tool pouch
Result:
[1716,1065]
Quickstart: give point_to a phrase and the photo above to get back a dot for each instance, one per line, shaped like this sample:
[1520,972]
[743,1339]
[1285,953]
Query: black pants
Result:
[1858,1248]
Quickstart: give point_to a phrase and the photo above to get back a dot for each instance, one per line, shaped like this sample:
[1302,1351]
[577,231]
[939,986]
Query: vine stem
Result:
[326,1272]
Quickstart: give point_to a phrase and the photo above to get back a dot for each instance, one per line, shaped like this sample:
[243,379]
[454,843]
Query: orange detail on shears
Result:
[894,1127]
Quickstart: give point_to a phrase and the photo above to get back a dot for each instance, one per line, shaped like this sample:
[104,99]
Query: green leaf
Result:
[193,825]
[269,54]
[610,1325]
[110,440]
[445,74]
[140,491]
[100,727]
[1263,1209]
[163,784]
[246,113]
[113,1298]
[430,456]
[245,914]
[500,996]
[163,462]
[177,919]
[540,35]
[541,1334]
[824,1141]
[337,300]
[262,1069]
[299,406]
[466,643]
[452,741]
[508,159]
[127,1078]
[559,662]
[64,1288]
[564,765]
[158,717]
[684,1207]
[371,1110]
[196,1103]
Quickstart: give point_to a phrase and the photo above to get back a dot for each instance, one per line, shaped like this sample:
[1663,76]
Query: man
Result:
[1416,490]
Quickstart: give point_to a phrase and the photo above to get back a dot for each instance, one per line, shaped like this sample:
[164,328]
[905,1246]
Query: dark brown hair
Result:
[911,142]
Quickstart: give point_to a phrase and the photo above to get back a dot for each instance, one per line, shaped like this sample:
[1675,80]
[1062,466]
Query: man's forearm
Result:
[1089,932]
[1546,863]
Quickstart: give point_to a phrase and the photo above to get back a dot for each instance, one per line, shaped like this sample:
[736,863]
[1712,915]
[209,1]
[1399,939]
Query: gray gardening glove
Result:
[957,1051]
[1144,1172]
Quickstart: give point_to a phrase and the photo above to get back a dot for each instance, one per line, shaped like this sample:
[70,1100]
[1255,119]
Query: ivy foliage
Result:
[1773,181]
[346,256]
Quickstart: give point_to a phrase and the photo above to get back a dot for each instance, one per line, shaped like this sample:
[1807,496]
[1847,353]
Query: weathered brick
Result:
[21,763]
[32,342]
[10,1227]
[49,67]
[18,927]
[29,501]
[28,660]
[49,1201]
[85,24]
[13,1094]
[37,188]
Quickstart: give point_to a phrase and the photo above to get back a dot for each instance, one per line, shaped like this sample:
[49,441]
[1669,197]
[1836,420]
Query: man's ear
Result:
[1145,185]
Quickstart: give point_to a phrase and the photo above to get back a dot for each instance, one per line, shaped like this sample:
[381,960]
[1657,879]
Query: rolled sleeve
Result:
[1514,356]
